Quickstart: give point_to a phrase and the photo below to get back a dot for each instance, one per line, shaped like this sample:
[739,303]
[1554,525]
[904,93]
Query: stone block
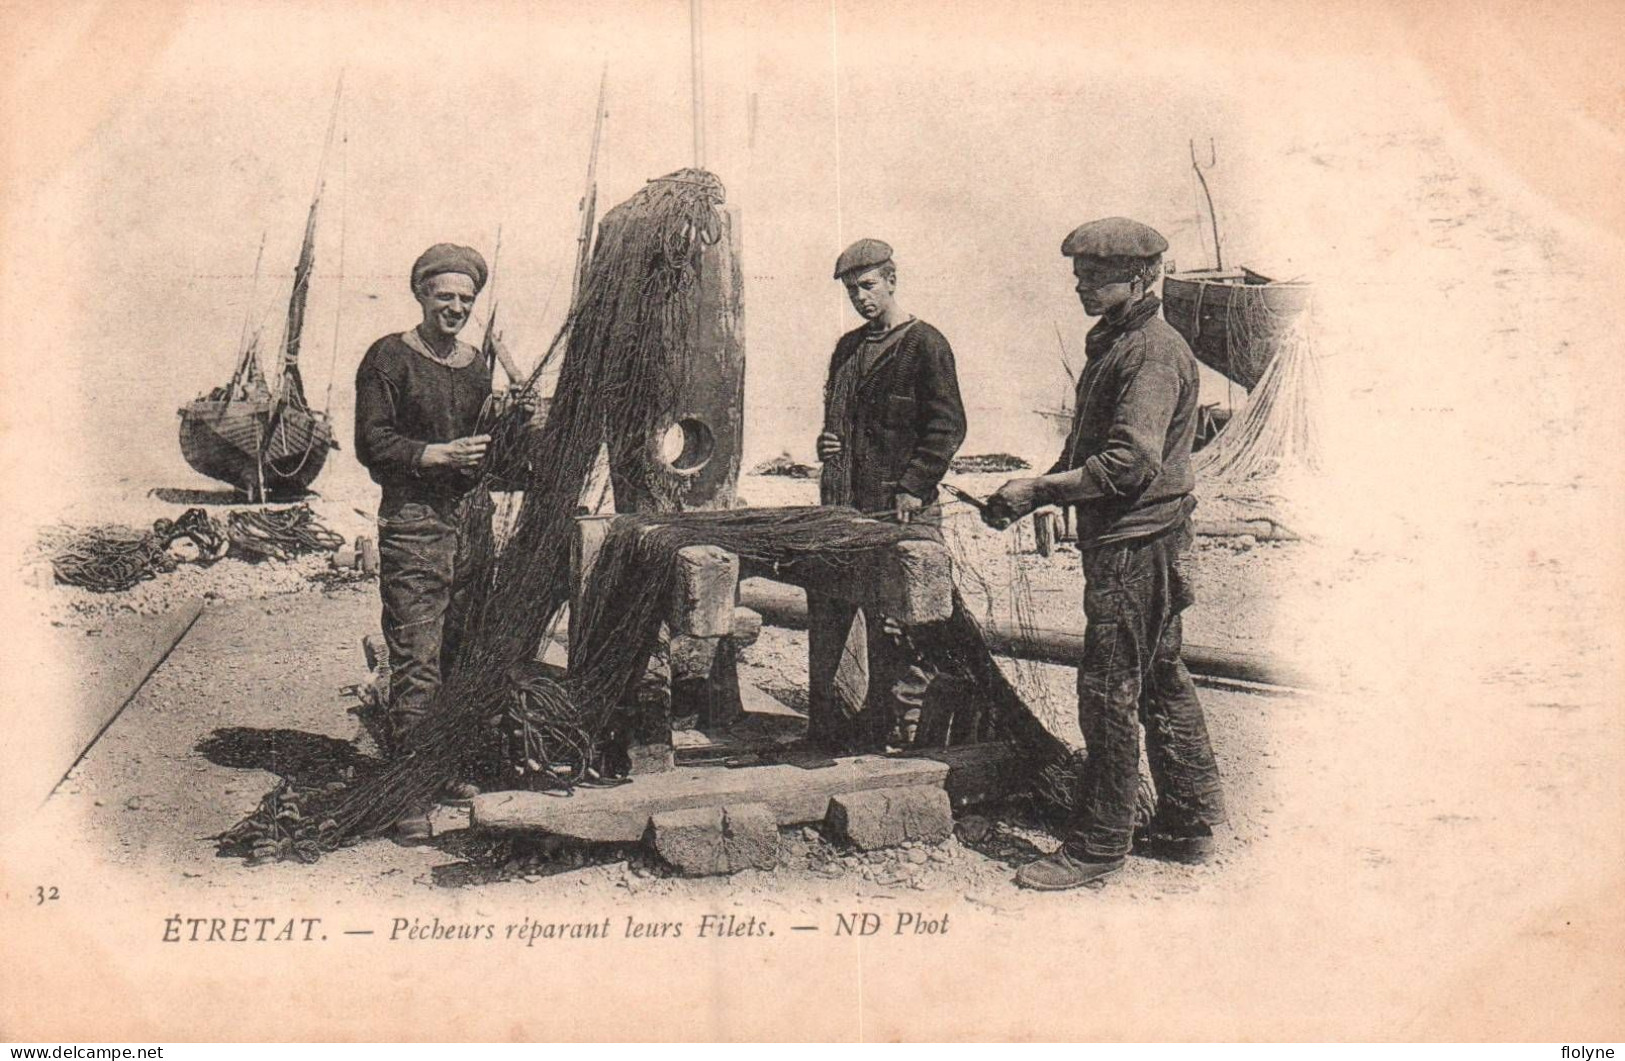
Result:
[890,817]
[920,586]
[747,627]
[710,841]
[691,657]
[705,585]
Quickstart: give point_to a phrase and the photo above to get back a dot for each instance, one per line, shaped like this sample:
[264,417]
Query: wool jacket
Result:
[1126,465]
[899,425]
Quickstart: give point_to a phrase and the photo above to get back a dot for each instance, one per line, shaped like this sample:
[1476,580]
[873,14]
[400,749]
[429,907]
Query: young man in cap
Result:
[418,399]
[1126,468]
[892,420]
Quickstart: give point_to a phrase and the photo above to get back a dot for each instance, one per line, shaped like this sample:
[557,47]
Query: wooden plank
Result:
[621,814]
[981,773]
[705,586]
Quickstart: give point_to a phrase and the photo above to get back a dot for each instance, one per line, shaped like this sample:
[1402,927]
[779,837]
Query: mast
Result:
[246,356]
[589,198]
[293,388]
[697,61]
[1213,158]
[491,348]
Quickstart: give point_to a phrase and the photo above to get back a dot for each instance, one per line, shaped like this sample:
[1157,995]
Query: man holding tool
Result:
[1126,468]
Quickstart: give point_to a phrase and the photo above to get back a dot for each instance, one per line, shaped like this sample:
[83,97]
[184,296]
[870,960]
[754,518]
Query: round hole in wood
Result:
[687,445]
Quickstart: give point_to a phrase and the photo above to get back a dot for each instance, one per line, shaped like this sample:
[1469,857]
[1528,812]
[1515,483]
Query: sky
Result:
[972,144]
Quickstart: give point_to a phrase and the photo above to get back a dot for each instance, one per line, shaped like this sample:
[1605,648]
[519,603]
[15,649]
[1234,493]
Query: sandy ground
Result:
[256,692]
[226,716]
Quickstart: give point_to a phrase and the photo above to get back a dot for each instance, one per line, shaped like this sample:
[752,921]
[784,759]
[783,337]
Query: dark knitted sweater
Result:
[405,400]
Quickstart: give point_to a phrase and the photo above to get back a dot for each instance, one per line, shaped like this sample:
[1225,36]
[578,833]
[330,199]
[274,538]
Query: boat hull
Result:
[1233,321]
[224,440]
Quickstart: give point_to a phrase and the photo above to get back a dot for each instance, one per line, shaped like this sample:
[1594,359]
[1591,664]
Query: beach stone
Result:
[889,817]
[711,841]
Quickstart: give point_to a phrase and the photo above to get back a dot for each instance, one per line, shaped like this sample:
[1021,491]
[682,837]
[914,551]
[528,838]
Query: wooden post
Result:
[1044,531]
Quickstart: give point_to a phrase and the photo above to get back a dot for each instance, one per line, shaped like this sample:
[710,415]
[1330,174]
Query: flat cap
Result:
[450,258]
[864,254]
[1113,237]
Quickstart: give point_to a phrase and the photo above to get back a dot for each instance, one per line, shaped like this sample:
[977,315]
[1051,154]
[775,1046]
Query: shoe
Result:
[1061,871]
[1190,845]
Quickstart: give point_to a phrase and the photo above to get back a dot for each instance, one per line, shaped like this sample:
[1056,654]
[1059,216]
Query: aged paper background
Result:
[1447,846]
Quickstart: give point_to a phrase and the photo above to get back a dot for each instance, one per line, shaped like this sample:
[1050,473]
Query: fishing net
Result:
[111,558]
[631,329]
[1248,470]
[279,534]
[499,714]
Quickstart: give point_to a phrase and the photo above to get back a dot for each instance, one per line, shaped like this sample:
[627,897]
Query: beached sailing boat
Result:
[1235,320]
[261,434]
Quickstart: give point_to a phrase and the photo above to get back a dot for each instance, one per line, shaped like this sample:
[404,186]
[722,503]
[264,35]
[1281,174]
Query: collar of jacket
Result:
[462,354]
[890,343]
[1107,331]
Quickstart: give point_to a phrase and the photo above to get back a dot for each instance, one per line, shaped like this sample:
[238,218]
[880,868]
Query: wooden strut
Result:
[492,348]
[1218,255]
[698,73]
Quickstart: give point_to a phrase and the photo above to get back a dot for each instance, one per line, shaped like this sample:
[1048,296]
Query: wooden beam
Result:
[911,581]
[786,606]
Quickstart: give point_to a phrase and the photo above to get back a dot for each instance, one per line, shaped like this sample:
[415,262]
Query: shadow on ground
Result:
[999,835]
[225,495]
[489,860]
[304,759]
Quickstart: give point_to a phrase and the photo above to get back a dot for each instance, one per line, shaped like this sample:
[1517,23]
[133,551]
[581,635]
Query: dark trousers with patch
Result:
[421,550]
[898,678]
[896,681]
[1132,672]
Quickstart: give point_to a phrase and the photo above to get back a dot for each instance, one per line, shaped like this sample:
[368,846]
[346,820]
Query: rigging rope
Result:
[114,559]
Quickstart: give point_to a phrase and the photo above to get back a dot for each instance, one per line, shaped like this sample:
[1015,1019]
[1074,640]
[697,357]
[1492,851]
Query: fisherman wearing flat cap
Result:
[892,421]
[419,394]
[1126,468]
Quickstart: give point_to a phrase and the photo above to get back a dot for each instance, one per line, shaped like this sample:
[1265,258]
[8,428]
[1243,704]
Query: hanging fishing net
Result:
[501,717]
[1251,470]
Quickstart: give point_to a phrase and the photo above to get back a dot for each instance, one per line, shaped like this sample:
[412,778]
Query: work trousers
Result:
[1135,591]
[422,550]
[897,677]
[896,681]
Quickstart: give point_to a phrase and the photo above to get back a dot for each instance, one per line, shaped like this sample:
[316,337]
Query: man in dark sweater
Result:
[419,394]
[1126,468]
[892,421]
